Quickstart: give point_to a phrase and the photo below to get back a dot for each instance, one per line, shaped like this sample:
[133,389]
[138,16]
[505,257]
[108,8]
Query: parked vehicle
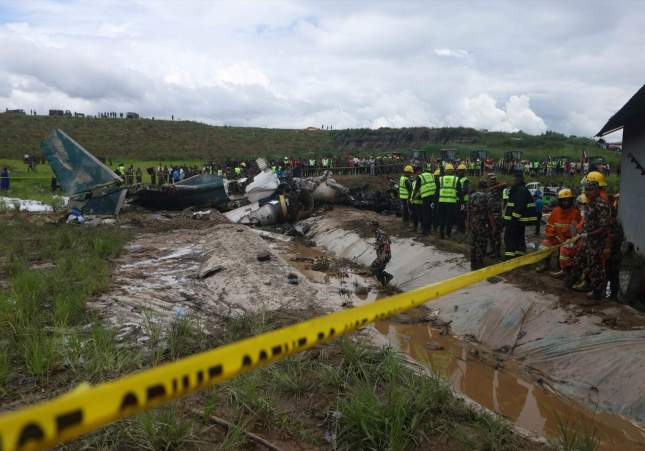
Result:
[533,187]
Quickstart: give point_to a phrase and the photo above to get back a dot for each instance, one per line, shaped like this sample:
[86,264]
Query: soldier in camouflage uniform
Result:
[479,221]
[383,254]
[495,209]
[594,235]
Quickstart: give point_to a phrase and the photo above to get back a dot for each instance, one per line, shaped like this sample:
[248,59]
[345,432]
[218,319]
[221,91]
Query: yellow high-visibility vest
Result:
[448,189]
[428,187]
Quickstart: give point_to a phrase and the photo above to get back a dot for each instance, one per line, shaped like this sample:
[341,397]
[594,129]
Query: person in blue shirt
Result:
[539,206]
[4,179]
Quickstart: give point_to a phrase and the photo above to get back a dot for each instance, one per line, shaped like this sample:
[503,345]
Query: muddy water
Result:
[501,390]
[500,387]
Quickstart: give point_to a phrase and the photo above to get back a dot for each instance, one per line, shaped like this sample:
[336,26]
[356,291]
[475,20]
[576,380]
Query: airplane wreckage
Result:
[93,188]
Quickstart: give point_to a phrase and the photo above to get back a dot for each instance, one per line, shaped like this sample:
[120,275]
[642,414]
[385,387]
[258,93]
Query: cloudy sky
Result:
[515,65]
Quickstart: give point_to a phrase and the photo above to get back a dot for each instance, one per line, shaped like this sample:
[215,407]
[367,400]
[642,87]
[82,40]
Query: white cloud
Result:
[112,30]
[482,112]
[243,74]
[520,116]
[458,53]
[568,66]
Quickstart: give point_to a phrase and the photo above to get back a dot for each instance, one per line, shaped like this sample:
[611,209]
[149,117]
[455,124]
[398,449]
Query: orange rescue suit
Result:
[558,229]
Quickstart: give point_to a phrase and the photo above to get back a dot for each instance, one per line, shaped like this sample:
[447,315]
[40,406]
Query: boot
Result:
[581,286]
[542,266]
[557,274]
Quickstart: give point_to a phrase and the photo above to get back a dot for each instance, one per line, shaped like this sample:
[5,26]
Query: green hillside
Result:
[146,139]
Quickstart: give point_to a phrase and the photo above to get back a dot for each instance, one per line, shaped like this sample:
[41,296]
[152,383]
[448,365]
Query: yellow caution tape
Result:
[87,408]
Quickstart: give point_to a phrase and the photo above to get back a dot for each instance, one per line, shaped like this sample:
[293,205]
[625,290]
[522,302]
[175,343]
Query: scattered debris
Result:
[206,214]
[263,185]
[75,217]
[25,205]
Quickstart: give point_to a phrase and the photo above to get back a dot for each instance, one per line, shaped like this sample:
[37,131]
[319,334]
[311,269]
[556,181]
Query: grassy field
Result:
[155,140]
[48,272]
[344,395]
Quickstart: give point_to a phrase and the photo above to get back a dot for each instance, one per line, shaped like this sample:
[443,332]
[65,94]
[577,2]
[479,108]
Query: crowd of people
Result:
[289,167]
[435,198]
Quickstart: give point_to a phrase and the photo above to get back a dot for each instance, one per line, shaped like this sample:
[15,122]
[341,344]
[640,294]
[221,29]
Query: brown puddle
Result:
[501,390]
[525,403]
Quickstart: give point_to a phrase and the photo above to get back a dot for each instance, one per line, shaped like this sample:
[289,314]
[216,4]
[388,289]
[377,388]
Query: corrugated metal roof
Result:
[633,108]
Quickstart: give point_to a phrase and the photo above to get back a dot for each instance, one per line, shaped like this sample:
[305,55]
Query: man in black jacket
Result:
[520,212]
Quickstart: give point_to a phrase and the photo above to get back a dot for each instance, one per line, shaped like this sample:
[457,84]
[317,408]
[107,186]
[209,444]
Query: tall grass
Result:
[368,397]
[51,271]
[576,435]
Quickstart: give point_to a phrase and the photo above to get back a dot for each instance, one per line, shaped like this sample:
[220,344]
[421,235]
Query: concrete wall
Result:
[632,184]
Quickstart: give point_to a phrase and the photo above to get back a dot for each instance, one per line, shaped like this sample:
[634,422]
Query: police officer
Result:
[464,189]
[519,212]
[405,189]
[479,221]
[448,197]
[425,188]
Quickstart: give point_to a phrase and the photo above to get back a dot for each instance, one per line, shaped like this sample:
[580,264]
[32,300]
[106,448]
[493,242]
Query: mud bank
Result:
[207,274]
[566,351]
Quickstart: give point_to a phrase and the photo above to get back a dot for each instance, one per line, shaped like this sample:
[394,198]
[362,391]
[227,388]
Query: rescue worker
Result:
[435,201]
[405,189]
[595,229]
[561,226]
[495,194]
[596,176]
[577,276]
[383,254]
[425,189]
[464,189]
[479,220]
[519,212]
[448,197]
[615,252]
[416,203]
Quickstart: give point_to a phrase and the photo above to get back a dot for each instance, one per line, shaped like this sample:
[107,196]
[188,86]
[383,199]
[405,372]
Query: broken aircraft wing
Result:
[92,186]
